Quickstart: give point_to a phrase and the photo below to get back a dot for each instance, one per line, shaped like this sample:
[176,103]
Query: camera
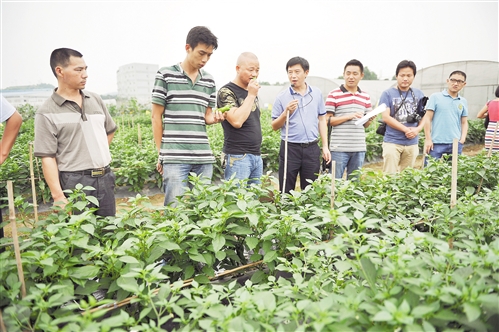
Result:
[420,111]
[415,117]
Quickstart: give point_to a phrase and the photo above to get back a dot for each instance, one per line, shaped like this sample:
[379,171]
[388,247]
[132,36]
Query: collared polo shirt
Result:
[76,137]
[304,122]
[184,140]
[6,110]
[347,137]
[448,111]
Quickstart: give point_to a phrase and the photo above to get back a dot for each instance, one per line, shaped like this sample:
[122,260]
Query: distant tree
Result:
[30,87]
[264,83]
[109,96]
[369,75]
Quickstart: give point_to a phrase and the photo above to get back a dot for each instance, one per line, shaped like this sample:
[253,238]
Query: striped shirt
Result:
[347,137]
[184,140]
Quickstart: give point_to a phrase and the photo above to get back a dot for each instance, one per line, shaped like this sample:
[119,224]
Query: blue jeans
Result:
[440,149]
[244,166]
[351,161]
[175,178]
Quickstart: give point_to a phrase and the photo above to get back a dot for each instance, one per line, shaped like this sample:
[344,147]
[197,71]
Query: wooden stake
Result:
[333,187]
[139,135]
[40,178]
[2,325]
[333,172]
[453,190]
[12,217]
[33,187]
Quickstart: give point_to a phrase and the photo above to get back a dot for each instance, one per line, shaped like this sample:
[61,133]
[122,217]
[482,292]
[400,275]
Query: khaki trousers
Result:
[398,157]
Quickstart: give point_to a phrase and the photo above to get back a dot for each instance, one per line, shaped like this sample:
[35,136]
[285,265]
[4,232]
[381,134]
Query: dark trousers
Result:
[104,189]
[303,159]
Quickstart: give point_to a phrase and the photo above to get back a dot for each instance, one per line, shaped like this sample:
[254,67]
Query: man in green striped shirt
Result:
[182,100]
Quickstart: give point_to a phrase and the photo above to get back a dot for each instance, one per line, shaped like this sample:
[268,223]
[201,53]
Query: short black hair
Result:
[459,72]
[497,92]
[60,57]
[355,62]
[298,61]
[406,64]
[201,34]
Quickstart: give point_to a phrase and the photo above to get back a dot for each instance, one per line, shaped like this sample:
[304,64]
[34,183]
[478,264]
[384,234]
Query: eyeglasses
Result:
[453,80]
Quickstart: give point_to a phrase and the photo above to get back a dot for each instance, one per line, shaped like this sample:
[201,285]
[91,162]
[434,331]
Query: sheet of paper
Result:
[374,112]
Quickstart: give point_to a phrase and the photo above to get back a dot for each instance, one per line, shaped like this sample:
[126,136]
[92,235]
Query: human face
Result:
[74,75]
[248,70]
[405,78]
[455,83]
[198,57]
[297,76]
[352,77]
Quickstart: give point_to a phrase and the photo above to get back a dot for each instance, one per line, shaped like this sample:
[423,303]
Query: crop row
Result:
[379,260]
[134,154]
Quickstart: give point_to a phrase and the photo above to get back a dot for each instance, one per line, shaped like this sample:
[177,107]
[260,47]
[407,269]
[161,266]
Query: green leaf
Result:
[240,230]
[202,279]
[189,271]
[252,242]
[242,205]
[382,316]
[472,311]
[342,266]
[344,221]
[84,272]
[257,277]
[369,272]
[270,256]
[169,245]
[218,242]
[144,312]
[220,255]
[89,228]
[129,259]
[128,284]
[422,310]
[253,219]
[171,268]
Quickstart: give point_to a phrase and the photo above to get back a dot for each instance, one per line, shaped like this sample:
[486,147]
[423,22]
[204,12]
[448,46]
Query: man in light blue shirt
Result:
[446,118]
[307,124]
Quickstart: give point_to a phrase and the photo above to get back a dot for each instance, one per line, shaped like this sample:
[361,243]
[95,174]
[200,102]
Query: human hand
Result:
[428,145]
[253,87]
[292,106]
[218,116]
[60,201]
[159,168]
[326,154]
[356,115]
[411,133]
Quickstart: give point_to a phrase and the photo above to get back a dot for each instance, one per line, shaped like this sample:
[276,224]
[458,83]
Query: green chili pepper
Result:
[225,108]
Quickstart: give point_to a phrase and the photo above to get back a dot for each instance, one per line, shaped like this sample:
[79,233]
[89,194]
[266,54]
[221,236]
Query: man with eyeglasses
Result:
[307,121]
[446,118]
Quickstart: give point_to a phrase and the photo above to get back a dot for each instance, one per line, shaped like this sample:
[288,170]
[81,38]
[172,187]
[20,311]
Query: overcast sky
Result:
[326,33]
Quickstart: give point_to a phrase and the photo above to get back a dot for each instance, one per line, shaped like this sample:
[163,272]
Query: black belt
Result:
[305,145]
[95,173]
